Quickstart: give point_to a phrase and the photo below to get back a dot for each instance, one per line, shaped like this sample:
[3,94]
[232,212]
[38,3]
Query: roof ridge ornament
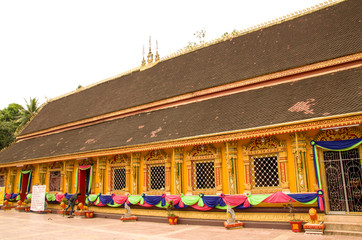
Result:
[150,55]
[143,57]
[157,56]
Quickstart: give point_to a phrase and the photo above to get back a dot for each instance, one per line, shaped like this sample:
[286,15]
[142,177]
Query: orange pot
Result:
[296,226]
[89,214]
[172,220]
[20,203]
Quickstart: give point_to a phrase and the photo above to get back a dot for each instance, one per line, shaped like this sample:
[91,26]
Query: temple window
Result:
[265,171]
[2,181]
[119,174]
[265,165]
[204,170]
[156,180]
[118,179]
[156,170]
[204,174]
[54,181]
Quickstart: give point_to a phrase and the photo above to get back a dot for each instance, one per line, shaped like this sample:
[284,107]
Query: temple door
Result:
[83,182]
[344,180]
[24,186]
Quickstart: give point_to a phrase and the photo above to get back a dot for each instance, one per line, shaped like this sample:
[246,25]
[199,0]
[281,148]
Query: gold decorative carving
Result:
[178,154]
[56,166]
[299,151]
[339,134]
[231,161]
[120,160]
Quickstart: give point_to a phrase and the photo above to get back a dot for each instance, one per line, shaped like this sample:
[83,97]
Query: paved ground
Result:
[21,225]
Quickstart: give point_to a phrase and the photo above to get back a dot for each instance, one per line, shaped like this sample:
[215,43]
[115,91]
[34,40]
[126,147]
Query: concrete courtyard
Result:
[21,225]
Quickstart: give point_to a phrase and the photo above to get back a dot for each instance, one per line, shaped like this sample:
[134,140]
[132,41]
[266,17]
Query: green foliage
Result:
[26,114]
[170,207]
[9,124]
[291,209]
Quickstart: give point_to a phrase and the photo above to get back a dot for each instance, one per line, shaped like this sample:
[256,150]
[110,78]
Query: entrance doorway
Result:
[83,182]
[344,181]
[24,186]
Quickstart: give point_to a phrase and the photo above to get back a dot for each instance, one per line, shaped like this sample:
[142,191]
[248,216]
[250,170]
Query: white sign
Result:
[38,198]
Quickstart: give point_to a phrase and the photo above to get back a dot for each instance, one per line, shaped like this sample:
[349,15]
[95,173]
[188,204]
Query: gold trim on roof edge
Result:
[298,126]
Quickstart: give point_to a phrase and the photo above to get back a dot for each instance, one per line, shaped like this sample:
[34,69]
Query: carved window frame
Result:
[119,161]
[257,147]
[200,153]
[157,158]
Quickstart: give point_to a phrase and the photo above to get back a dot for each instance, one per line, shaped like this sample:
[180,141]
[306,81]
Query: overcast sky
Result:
[48,48]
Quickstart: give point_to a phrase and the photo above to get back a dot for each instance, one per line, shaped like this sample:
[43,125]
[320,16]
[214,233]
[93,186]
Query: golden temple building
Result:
[244,116]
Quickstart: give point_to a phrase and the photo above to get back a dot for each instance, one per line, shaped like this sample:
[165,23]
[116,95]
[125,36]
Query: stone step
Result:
[342,232]
[343,226]
[343,218]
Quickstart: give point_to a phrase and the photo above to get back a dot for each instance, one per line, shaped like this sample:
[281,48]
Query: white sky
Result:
[48,47]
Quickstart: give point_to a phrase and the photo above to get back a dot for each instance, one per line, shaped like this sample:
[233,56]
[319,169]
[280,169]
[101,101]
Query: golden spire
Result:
[157,56]
[150,55]
[143,57]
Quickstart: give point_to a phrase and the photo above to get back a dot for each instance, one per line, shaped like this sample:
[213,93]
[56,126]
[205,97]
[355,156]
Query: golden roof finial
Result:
[143,57]
[157,56]
[150,55]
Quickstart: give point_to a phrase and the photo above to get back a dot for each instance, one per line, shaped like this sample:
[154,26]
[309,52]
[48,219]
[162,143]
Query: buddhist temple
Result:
[253,120]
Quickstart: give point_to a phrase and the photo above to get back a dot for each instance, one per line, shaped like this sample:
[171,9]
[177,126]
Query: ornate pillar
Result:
[231,162]
[135,165]
[189,176]
[247,170]
[178,160]
[168,177]
[218,177]
[69,167]
[300,163]
[283,166]
[101,170]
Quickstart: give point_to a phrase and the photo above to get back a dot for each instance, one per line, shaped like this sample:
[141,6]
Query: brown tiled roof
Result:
[327,95]
[326,34]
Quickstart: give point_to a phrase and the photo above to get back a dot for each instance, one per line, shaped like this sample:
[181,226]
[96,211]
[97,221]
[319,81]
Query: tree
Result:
[31,109]
[9,124]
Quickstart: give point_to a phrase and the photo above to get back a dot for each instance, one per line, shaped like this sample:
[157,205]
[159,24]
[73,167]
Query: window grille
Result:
[118,179]
[156,179]
[2,181]
[264,171]
[204,174]
[54,181]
